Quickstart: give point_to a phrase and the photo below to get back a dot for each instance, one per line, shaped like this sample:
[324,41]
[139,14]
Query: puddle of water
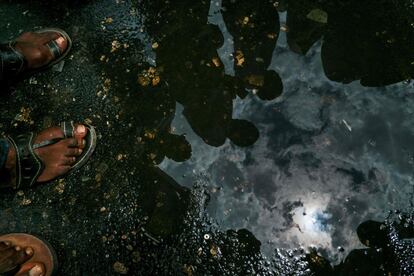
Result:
[256,181]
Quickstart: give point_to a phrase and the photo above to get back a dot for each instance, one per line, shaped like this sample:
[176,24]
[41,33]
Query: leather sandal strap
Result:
[47,143]
[68,129]
[28,164]
[12,62]
[54,49]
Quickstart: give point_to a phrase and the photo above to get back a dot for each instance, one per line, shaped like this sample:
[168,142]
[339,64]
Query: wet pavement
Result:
[235,138]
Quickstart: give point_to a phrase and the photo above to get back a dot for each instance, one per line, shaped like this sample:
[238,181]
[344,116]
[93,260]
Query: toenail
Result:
[80,151]
[81,129]
[6,243]
[17,248]
[35,271]
[29,251]
[60,41]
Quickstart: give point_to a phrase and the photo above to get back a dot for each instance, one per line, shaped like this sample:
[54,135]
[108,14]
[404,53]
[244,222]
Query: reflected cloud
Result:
[312,222]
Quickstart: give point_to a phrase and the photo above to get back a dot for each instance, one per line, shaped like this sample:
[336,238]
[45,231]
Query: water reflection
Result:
[195,74]
[361,41]
[388,251]
[312,221]
[308,180]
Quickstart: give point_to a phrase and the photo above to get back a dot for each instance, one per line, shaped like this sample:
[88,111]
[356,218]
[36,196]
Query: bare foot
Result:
[33,46]
[57,158]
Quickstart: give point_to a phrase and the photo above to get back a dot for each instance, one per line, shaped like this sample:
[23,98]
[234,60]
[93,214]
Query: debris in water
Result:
[318,15]
[58,67]
[120,268]
[215,251]
[136,257]
[26,201]
[115,45]
[206,236]
[216,61]
[150,76]
[271,35]
[150,134]
[24,116]
[255,80]
[347,125]
[239,58]
[188,269]
[60,187]
[108,20]
[33,80]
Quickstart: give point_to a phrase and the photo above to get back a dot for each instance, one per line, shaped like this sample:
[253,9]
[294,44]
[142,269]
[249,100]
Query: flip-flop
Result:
[43,252]
[29,166]
[14,65]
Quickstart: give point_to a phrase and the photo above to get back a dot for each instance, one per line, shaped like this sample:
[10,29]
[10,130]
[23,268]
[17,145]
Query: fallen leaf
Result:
[108,20]
[318,15]
[239,58]
[120,268]
[255,80]
[115,45]
[156,80]
[216,61]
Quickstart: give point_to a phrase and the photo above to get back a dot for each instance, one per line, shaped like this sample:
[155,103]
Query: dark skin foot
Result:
[33,47]
[57,158]
[12,256]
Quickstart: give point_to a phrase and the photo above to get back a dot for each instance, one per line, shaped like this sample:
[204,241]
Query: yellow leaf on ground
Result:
[156,80]
[143,81]
[216,61]
[239,58]
[255,80]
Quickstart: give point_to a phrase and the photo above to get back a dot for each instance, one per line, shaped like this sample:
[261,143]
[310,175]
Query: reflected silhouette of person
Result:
[362,40]
[255,27]
[379,258]
[187,54]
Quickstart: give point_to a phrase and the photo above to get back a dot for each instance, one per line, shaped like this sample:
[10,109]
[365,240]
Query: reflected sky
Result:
[329,156]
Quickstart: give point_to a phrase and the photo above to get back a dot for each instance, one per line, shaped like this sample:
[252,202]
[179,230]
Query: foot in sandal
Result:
[26,255]
[51,153]
[32,52]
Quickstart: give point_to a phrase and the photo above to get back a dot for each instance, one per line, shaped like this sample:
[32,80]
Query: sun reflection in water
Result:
[311,223]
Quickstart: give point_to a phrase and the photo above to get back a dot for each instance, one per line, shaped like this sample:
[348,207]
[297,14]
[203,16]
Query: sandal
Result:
[14,64]
[29,166]
[43,252]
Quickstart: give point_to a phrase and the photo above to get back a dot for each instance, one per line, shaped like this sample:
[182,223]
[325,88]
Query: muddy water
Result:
[236,137]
